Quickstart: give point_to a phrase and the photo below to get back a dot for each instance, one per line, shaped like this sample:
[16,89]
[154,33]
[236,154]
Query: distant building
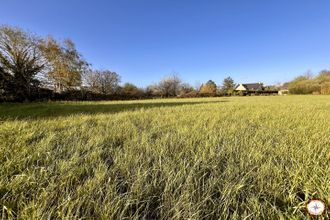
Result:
[283,92]
[250,87]
[284,89]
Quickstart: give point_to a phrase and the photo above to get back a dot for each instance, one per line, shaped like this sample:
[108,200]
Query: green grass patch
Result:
[238,158]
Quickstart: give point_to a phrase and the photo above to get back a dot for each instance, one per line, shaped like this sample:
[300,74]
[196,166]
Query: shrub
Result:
[325,89]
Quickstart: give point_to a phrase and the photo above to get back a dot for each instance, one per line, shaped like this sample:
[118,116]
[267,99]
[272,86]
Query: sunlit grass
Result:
[240,157]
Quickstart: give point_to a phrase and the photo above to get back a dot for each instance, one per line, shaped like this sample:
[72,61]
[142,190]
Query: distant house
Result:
[283,92]
[284,89]
[250,87]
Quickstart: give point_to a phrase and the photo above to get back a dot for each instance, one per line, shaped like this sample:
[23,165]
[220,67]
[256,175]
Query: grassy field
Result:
[237,158]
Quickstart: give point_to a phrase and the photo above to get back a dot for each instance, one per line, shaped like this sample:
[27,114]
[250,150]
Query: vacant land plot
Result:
[244,157]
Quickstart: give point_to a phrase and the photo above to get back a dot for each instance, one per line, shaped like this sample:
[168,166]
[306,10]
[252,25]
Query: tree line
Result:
[37,68]
[309,84]
[43,68]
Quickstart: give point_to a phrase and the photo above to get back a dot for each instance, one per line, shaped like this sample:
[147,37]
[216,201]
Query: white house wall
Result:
[241,88]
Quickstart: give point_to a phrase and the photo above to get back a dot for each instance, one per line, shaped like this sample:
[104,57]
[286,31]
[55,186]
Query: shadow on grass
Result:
[57,109]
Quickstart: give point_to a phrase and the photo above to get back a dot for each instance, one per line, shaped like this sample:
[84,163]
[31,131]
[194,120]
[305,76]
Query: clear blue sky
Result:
[143,40]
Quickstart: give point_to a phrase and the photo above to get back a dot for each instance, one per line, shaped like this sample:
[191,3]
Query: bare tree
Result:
[104,82]
[153,90]
[186,88]
[169,86]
